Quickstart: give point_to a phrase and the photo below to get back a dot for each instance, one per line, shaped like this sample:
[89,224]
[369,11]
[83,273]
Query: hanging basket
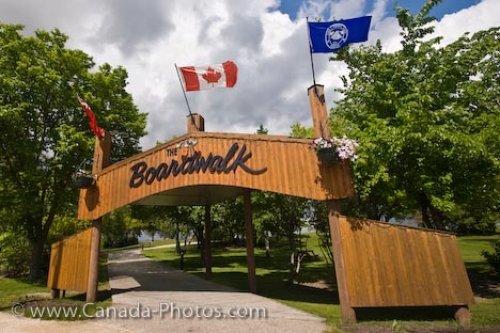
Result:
[83,181]
[328,156]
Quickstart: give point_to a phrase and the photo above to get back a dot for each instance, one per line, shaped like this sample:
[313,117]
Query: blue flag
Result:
[332,36]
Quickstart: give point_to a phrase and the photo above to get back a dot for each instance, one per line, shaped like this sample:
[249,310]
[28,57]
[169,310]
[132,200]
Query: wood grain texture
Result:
[318,111]
[69,262]
[292,168]
[390,265]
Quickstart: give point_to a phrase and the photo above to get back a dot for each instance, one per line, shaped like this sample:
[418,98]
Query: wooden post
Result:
[318,111]
[55,293]
[196,123]
[252,280]
[102,151]
[94,260]
[462,316]
[347,312]
[208,240]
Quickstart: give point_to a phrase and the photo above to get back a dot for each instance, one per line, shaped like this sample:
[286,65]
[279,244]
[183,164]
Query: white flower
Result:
[345,147]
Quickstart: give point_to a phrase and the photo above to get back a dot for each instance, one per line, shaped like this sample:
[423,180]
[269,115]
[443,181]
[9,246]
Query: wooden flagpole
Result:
[185,96]
[311,55]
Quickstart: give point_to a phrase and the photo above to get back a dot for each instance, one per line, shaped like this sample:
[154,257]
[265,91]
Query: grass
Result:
[229,268]
[15,290]
[30,295]
[140,245]
[471,247]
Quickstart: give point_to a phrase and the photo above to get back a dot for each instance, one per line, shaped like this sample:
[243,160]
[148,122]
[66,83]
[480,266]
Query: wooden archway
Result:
[218,167]
[202,168]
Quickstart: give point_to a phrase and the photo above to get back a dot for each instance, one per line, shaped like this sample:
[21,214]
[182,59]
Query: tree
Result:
[44,134]
[427,119]
[120,228]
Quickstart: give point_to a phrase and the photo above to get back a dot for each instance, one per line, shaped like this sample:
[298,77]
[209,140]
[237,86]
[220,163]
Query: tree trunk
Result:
[424,208]
[36,260]
[38,238]
[268,254]
[291,243]
[437,217]
[177,240]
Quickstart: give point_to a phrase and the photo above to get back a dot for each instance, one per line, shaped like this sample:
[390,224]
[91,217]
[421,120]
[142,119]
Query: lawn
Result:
[30,294]
[21,290]
[315,292]
[141,245]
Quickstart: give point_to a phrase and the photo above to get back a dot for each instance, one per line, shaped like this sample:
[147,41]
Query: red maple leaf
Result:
[211,76]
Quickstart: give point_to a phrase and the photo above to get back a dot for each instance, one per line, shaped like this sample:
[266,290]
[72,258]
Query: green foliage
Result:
[493,258]
[64,226]
[301,132]
[229,268]
[120,228]
[176,222]
[230,225]
[14,255]
[262,130]
[427,119]
[15,290]
[44,134]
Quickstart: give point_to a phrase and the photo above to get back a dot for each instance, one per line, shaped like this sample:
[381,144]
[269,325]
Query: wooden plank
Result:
[318,110]
[102,154]
[292,169]
[69,260]
[335,220]
[391,265]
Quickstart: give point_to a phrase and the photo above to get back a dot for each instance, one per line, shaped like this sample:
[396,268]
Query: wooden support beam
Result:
[55,293]
[462,316]
[347,312]
[208,241]
[252,280]
[318,110]
[102,152]
[195,123]
[94,261]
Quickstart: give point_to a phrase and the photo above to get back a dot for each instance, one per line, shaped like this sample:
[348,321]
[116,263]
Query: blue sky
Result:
[291,7]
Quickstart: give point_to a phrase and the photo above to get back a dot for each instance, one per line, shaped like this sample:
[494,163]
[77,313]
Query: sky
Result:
[267,39]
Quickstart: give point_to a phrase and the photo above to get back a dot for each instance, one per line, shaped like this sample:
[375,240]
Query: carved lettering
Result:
[196,163]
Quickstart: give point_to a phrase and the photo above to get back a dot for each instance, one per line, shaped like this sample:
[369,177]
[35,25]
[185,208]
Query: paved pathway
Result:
[173,301]
[135,279]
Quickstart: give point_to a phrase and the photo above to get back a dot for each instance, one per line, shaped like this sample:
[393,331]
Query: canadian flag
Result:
[94,127]
[208,76]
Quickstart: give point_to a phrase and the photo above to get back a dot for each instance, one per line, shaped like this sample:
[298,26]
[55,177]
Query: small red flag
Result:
[98,131]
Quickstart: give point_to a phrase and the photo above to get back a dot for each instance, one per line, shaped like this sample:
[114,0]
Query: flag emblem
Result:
[325,37]
[336,35]
[211,76]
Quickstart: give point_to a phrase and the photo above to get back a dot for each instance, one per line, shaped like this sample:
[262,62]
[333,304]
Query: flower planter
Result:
[83,181]
[328,156]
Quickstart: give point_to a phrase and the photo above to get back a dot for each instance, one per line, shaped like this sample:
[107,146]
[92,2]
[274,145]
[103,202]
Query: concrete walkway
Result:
[150,297]
[135,279]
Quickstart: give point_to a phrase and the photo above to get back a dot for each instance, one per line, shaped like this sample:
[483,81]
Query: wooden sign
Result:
[220,165]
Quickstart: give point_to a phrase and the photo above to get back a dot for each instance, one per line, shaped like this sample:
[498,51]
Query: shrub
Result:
[15,254]
[493,258]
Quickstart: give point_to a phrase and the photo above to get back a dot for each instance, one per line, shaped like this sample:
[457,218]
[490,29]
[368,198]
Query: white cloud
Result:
[271,50]
[482,16]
